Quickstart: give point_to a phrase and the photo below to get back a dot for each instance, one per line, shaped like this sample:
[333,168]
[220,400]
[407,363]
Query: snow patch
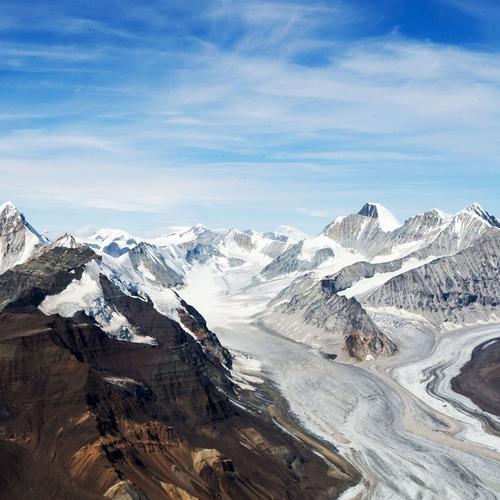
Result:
[366,285]
[86,295]
[386,220]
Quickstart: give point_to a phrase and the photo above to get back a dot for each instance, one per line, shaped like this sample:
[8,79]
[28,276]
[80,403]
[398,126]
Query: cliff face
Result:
[86,415]
[460,288]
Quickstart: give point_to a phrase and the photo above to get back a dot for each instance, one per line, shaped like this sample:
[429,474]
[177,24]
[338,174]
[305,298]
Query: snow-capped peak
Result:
[114,242]
[67,241]
[387,221]
[477,210]
[18,239]
[9,212]
[183,236]
[475,207]
[443,215]
[107,235]
[195,230]
[8,205]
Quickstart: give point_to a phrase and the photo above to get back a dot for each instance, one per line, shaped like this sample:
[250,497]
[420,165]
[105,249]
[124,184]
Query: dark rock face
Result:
[278,237]
[322,255]
[48,274]
[339,315]
[241,239]
[369,210]
[476,209]
[286,263]
[358,232]
[84,415]
[114,249]
[193,320]
[479,379]
[197,252]
[418,227]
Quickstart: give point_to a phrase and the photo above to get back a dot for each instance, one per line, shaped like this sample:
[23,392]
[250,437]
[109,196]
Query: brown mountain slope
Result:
[83,415]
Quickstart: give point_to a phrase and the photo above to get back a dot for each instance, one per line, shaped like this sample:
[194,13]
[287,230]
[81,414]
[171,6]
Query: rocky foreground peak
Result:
[121,416]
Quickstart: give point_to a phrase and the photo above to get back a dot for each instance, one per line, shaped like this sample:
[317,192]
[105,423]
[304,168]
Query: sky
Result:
[248,114]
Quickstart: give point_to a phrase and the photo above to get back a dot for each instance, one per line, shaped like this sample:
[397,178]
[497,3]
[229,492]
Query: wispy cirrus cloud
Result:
[37,141]
[39,51]
[314,213]
[292,101]
[122,187]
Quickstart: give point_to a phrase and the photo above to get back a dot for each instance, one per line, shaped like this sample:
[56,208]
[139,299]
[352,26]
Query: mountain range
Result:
[441,266]
[113,384]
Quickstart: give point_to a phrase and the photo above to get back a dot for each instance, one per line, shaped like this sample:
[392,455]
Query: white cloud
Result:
[314,213]
[35,141]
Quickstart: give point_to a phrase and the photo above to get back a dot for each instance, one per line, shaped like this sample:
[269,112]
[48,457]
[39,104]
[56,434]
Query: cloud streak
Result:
[221,102]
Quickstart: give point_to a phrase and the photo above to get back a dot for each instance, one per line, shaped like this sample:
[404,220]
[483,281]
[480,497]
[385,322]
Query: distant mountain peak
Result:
[8,211]
[18,239]
[290,232]
[477,210]
[443,215]
[387,221]
[67,240]
[198,225]
[8,205]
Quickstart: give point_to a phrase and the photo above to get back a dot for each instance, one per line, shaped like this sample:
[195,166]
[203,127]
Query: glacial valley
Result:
[378,338]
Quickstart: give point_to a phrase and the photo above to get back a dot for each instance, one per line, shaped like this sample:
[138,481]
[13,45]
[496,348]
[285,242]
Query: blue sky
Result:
[253,113]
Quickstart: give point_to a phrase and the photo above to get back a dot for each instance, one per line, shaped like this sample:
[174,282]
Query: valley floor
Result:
[397,420]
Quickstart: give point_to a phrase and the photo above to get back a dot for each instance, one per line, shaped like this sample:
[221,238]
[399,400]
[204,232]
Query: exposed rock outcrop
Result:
[311,312]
